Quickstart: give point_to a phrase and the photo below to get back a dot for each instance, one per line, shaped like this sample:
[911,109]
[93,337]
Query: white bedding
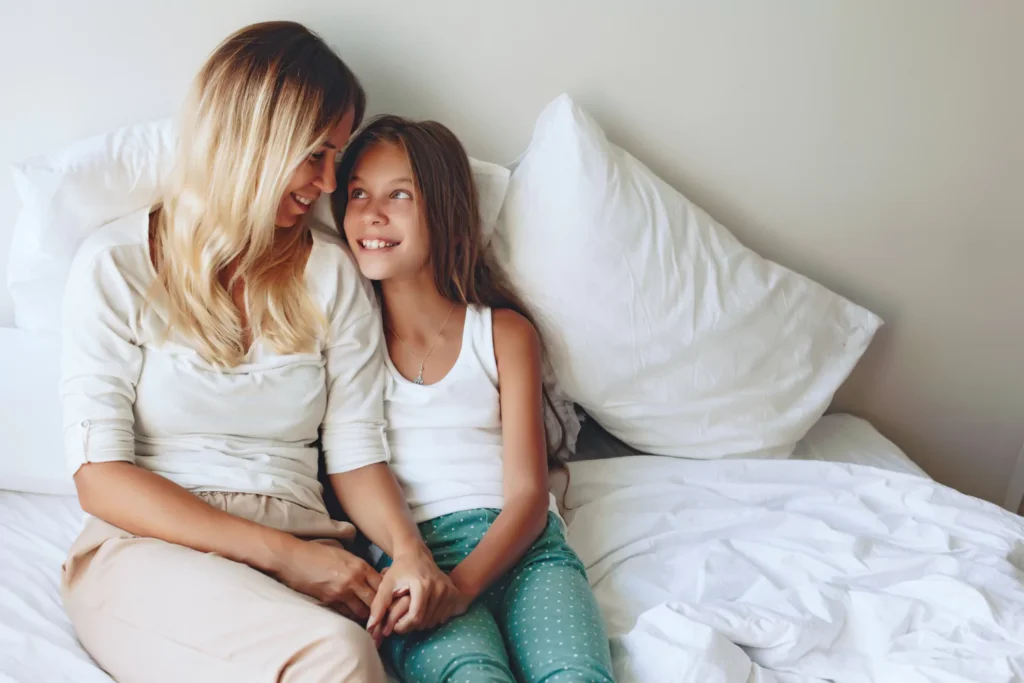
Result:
[844,438]
[817,570]
[834,438]
[37,644]
[758,571]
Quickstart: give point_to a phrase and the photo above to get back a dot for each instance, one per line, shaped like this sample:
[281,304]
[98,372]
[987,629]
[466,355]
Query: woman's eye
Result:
[316,156]
[400,194]
[358,194]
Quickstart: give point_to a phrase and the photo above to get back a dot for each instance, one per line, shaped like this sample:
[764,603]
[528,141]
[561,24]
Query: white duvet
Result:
[762,571]
[712,572]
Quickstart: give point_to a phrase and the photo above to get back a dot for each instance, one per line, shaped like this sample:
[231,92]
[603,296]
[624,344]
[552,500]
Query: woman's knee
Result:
[339,650]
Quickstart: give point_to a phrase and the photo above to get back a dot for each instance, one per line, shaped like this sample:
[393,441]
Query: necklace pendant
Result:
[419,377]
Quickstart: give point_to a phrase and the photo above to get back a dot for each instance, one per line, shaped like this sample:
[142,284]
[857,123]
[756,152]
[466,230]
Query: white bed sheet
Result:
[37,644]
[744,571]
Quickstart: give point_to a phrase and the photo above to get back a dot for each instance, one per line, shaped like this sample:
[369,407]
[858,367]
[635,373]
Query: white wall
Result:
[875,145]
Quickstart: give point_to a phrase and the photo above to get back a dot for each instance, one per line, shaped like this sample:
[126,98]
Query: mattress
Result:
[840,438]
[741,571]
[848,439]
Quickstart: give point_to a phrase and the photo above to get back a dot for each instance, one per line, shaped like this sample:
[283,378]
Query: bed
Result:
[763,544]
[842,563]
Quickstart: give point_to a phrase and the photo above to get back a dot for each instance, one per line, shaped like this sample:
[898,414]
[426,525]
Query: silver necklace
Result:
[419,375]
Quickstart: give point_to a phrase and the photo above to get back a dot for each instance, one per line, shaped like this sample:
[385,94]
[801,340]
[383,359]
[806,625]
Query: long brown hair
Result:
[266,98]
[464,271]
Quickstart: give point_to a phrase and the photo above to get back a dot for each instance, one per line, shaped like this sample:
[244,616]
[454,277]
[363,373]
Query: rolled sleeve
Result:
[100,363]
[354,433]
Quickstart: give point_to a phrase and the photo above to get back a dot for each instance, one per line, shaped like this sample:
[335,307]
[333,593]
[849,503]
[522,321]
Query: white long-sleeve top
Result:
[128,395]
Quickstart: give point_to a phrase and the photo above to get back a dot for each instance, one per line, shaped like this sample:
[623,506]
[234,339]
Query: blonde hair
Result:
[266,99]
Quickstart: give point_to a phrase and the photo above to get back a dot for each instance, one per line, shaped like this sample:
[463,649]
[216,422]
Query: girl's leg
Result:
[550,619]
[468,649]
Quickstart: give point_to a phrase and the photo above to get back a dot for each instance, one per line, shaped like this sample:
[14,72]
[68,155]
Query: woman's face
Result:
[314,176]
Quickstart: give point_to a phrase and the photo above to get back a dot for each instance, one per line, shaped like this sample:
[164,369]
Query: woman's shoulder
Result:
[330,257]
[332,272]
[118,250]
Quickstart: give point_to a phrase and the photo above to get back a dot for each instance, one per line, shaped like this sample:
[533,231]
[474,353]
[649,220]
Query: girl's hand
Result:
[332,575]
[461,605]
[431,594]
[400,607]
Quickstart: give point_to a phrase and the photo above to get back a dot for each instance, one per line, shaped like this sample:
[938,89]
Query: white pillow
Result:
[31,444]
[660,324]
[66,196]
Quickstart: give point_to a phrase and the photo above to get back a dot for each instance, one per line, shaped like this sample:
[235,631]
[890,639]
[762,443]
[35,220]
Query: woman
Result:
[209,344]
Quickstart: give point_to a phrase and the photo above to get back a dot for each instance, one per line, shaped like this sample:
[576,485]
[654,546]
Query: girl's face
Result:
[314,176]
[385,221]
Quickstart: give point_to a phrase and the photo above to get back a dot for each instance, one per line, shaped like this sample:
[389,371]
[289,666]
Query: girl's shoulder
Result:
[514,335]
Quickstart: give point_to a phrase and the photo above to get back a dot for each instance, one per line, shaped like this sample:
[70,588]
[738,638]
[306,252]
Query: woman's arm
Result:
[524,515]
[146,504]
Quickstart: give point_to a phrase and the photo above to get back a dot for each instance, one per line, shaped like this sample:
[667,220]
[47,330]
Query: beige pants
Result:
[147,610]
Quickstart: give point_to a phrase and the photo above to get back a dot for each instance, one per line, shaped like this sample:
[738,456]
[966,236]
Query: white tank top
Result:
[446,443]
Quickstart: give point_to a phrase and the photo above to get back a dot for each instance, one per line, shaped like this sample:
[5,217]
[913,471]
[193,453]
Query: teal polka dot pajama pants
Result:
[539,622]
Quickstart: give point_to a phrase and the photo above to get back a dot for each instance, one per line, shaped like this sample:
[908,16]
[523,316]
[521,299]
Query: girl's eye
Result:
[316,156]
[400,194]
[358,194]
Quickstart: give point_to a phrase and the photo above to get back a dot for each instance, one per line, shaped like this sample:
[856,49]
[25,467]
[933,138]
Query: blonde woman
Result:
[209,344]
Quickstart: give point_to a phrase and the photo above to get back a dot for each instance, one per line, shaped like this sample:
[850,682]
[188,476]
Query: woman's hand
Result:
[332,575]
[432,597]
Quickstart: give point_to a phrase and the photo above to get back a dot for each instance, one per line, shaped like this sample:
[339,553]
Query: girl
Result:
[209,343]
[464,405]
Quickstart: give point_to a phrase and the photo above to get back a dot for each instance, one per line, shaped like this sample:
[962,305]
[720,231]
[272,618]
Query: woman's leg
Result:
[550,619]
[152,611]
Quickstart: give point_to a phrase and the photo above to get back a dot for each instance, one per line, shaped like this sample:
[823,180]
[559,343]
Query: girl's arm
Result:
[356,454]
[374,502]
[518,353]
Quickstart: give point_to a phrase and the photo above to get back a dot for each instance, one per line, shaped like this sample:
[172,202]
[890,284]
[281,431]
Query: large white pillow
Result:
[68,195]
[676,338]
[65,197]
[31,444]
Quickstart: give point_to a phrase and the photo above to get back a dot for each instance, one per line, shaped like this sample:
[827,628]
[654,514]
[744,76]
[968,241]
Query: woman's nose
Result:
[327,179]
